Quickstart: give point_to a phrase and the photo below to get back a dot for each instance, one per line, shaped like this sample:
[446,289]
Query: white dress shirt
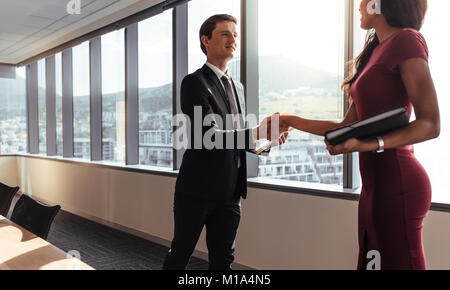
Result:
[219,73]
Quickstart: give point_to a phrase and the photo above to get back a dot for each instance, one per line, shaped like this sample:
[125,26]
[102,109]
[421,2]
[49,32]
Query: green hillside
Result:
[285,85]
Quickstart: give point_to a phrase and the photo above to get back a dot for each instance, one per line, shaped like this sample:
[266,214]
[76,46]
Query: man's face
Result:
[222,44]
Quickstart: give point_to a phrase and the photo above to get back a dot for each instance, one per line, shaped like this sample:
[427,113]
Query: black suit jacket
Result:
[212,174]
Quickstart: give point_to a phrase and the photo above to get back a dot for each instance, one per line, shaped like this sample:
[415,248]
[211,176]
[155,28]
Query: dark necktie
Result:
[233,106]
[231,100]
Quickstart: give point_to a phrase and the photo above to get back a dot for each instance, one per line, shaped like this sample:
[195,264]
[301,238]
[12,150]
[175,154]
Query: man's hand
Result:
[273,130]
[281,140]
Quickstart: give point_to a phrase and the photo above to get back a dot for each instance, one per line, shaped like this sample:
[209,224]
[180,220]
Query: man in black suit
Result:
[212,181]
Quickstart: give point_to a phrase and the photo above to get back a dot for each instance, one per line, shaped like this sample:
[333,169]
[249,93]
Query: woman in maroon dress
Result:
[391,72]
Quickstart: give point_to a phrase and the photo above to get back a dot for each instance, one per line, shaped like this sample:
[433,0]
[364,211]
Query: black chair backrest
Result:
[6,196]
[34,216]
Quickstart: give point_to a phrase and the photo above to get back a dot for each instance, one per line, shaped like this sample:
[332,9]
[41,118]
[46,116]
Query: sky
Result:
[113,62]
[155,50]
[282,31]
[310,32]
[80,57]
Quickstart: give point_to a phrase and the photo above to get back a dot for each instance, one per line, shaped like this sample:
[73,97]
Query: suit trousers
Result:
[191,214]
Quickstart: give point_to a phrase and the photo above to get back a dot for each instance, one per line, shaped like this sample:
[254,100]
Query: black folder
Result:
[370,127]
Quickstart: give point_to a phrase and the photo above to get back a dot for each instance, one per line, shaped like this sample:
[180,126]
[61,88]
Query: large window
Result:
[301,69]
[301,66]
[42,107]
[113,95]
[59,132]
[359,34]
[81,101]
[434,155]
[199,11]
[13,112]
[155,90]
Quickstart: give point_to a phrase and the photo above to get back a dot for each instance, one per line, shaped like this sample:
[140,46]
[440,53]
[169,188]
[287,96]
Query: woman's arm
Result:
[422,94]
[419,85]
[315,126]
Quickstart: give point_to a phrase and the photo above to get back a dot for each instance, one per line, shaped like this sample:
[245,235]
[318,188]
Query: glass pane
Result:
[434,155]
[58,73]
[359,34]
[300,72]
[199,11]
[113,96]
[13,114]
[155,90]
[81,103]
[42,107]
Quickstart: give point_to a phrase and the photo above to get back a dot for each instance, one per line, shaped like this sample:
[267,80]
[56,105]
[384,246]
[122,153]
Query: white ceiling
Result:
[30,27]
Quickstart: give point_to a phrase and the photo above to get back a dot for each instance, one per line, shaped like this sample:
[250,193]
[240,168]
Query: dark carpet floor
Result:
[105,248]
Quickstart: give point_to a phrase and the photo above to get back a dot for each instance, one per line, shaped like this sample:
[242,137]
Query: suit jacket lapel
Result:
[212,76]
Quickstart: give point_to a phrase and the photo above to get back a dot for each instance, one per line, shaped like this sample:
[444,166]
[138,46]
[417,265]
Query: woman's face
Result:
[367,9]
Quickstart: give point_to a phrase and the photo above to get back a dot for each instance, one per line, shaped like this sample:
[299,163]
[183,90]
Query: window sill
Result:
[314,189]
[103,164]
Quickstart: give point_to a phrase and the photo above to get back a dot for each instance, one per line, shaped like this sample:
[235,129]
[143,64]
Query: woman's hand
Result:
[285,123]
[352,145]
[280,129]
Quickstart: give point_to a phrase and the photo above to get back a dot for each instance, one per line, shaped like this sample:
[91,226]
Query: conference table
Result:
[23,250]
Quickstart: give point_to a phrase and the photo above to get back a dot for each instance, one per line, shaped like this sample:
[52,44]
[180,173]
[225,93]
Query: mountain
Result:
[12,92]
[278,73]
[152,100]
[290,87]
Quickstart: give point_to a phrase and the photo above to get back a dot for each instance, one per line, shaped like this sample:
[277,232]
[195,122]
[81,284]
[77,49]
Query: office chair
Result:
[34,216]
[6,196]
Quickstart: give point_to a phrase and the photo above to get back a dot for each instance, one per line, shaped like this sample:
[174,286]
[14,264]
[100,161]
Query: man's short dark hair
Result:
[210,24]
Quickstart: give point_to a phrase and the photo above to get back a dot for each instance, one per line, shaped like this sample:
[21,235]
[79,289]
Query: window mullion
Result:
[50,103]
[180,68]
[96,98]
[131,94]
[250,69]
[67,103]
[350,166]
[32,109]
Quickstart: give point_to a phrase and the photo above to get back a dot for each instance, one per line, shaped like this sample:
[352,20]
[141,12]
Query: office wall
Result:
[7,71]
[8,170]
[278,230]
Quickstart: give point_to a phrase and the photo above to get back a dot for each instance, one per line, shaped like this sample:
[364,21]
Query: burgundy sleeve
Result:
[408,44]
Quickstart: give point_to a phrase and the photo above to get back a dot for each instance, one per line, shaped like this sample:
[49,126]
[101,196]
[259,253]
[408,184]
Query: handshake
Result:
[274,130]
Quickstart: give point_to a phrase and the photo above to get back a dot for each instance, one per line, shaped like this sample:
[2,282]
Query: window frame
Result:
[249,77]
[249,73]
